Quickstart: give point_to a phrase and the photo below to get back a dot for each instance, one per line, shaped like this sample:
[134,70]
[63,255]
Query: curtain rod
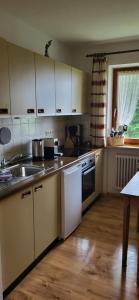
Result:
[111,53]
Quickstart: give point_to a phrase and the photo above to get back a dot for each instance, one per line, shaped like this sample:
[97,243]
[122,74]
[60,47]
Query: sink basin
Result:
[22,170]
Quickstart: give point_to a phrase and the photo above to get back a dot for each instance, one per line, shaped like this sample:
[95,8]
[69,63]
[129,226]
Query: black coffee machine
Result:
[74,132]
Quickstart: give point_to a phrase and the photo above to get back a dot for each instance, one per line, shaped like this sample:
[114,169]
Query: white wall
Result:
[16,31]
[79,53]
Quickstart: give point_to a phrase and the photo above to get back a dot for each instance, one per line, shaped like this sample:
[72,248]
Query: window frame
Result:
[132,141]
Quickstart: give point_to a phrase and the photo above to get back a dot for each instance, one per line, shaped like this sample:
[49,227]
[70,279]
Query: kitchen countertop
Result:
[50,167]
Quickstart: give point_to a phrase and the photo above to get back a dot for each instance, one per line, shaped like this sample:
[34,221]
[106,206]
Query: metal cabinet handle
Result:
[38,187]
[30,111]
[40,111]
[24,195]
[88,171]
[58,110]
[74,110]
[3,111]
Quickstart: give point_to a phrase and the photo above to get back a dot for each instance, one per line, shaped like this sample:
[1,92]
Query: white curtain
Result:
[128,95]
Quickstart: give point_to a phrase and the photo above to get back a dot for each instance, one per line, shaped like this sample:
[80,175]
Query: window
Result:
[125,107]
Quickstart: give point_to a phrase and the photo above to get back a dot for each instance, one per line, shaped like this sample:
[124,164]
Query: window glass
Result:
[126,100]
[133,127]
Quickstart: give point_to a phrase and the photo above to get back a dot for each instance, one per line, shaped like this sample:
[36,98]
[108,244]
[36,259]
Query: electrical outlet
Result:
[49,133]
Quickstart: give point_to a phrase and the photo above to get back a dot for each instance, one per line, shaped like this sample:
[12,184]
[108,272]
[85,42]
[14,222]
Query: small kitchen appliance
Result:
[38,149]
[74,134]
[51,148]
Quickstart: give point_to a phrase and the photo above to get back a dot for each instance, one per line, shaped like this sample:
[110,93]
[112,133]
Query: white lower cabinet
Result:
[16,235]
[45,213]
[28,225]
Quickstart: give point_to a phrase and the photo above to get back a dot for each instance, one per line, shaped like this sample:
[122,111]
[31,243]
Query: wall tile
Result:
[23,130]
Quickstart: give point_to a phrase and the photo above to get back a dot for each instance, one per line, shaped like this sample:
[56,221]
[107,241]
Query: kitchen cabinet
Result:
[79,92]
[29,223]
[4,80]
[16,235]
[46,207]
[99,172]
[32,84]
[45,85]
[63,88]
[22,81]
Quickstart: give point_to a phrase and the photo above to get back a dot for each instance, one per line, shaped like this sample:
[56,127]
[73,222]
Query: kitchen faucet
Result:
[14,158]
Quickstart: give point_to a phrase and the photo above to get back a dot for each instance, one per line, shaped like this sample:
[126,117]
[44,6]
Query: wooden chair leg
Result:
[126,218]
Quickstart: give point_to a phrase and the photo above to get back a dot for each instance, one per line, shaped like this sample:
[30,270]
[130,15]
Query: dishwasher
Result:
[71,199]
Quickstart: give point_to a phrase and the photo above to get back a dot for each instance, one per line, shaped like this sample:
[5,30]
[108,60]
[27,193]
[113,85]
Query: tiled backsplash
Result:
[23,130]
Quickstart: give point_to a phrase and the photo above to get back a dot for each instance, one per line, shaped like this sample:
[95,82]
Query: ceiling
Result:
[79,21]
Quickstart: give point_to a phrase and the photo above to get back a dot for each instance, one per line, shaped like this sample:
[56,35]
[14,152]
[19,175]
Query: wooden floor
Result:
[87,266]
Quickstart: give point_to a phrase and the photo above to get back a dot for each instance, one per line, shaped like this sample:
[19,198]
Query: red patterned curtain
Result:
[98,101]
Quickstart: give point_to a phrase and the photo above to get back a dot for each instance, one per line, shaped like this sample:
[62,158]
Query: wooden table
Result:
[131,193]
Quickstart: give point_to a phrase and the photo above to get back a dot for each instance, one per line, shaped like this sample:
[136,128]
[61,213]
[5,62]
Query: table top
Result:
[132,188]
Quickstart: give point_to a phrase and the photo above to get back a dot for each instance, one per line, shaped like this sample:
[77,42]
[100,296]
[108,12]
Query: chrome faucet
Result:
[2,163]
[14,158]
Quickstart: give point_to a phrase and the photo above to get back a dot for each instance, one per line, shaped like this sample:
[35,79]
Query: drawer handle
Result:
[38,187]
[74,110]
[40,111]
[3,111]
[24,195]
[58,110]
[30,111]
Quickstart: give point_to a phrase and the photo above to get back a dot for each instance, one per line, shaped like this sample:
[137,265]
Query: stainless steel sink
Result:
[23,170]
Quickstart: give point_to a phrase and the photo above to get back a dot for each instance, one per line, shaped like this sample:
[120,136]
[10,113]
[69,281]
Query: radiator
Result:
[126,167]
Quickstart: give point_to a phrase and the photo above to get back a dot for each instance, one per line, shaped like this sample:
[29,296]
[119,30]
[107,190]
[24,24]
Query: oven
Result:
[88,177]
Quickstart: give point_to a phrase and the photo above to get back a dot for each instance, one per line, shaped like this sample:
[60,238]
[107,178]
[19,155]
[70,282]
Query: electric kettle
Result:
[38,149]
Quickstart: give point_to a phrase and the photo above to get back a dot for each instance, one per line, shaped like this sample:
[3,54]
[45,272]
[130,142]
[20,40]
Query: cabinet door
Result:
[63,88]
[45,85]
[22,81]
[4,79]
[79,91]
[46,197]
[16,235]
[99,172]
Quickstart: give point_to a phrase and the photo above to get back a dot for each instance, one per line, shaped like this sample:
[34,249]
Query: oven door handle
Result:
[88,171]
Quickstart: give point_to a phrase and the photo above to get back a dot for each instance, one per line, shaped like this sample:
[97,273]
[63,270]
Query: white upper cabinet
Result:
[63,88]
[22,81]
[4,80]
[45,85]
[31,84]
[79,91]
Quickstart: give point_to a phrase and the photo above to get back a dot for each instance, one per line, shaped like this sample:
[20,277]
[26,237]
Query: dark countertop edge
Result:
[30,181]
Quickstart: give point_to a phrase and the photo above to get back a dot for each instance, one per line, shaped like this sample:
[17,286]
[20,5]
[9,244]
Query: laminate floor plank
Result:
[87,265]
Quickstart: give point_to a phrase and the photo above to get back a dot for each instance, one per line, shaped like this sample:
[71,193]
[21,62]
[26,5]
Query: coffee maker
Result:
[51,149]
[74,133]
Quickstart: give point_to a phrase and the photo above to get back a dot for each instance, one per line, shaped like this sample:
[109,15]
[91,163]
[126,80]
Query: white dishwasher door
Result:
[71,199]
